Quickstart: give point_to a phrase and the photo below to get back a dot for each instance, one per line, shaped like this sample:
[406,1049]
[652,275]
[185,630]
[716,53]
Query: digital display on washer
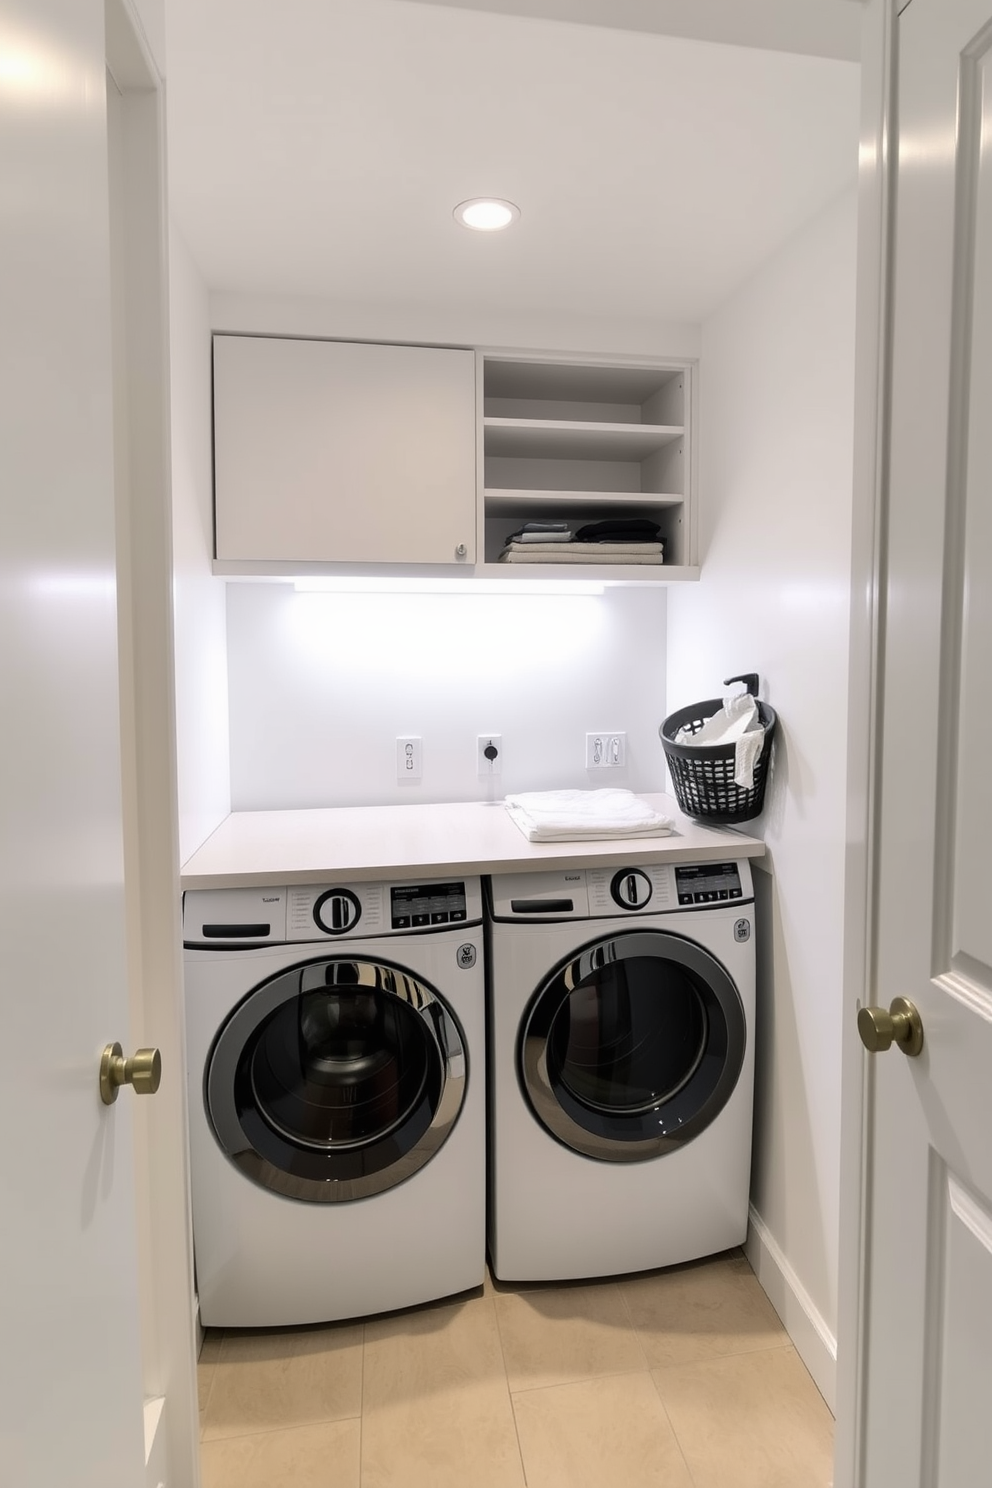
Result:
[416,905]
[707,883]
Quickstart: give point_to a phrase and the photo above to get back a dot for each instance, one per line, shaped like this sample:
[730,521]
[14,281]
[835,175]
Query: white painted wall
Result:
[777,375]
[828,28]
[322,684]
[203,760]
[149,16]
[288,315]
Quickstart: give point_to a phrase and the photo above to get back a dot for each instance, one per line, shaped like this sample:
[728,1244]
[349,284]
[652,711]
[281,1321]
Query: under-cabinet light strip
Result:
[333,585]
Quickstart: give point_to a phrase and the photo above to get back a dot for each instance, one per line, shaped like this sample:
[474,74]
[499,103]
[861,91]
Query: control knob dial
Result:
[337,911]
[631,888]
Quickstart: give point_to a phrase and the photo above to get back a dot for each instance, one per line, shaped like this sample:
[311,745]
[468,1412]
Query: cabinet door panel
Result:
[342,452]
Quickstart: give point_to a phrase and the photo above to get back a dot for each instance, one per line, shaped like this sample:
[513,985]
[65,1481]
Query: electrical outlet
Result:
[409,758]
[489,762]
[606,750]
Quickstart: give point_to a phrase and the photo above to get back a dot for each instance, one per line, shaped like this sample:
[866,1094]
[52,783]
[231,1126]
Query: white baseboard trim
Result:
[813,1340]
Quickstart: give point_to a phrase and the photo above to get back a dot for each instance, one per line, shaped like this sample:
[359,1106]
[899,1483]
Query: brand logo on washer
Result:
[465,955]
[742,929]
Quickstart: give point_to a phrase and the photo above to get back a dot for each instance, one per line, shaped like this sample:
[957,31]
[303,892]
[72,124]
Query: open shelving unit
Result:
[584,443]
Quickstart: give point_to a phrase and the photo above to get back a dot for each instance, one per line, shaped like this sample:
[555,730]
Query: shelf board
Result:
[512,503]
[605,573]
[565,439]
[561,381]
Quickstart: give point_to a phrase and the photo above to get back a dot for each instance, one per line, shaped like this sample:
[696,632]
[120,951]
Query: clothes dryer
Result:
[336,1069]
[621,1013]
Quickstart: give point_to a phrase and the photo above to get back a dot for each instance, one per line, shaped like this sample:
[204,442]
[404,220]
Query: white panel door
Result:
[341,452]
[928,1379]
[70,1363]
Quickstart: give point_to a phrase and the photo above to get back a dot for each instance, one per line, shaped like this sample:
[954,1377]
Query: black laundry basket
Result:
[703,776]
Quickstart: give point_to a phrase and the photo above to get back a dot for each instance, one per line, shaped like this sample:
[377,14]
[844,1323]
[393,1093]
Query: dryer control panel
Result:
[619,891]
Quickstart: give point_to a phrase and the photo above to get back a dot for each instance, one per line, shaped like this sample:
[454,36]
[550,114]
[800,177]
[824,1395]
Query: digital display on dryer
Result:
[416,906]
[708,883]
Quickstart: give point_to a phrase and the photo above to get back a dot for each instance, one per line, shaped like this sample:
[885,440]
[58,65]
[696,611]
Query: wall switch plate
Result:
[606,750]
[409,758]
[490,763]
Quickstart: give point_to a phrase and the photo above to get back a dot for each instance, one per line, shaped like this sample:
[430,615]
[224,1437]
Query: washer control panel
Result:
[415,906]
[709,883]
[226,918]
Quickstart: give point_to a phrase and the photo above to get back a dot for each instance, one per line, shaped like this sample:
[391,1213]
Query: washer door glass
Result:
[336,1079]
[632,1047]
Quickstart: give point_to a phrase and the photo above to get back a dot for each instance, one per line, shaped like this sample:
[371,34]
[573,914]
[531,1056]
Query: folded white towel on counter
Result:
[736,723]
[584,815]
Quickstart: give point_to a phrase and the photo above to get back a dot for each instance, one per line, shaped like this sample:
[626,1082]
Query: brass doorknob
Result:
[143,1071]
[901,1025]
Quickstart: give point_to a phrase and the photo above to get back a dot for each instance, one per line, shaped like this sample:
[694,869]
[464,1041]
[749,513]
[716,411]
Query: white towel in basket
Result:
[736,723]
[584,815]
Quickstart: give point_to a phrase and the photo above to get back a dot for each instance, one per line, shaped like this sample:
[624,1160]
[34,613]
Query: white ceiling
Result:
[317,148]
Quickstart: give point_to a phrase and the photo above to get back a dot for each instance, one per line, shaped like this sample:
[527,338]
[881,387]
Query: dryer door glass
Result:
[633,1047]
[336,1080]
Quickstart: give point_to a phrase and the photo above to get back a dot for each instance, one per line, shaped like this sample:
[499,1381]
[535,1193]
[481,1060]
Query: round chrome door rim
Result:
[255,1008]
[532,1051]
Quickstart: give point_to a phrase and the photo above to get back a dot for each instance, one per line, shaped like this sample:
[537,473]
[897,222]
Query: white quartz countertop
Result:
[362,843]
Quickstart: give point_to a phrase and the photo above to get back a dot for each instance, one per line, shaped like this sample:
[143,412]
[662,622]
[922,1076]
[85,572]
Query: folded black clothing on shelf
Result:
[621,528]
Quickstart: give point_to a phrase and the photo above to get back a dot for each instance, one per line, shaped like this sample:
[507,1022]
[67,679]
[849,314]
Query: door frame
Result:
[142,424]
[876,184]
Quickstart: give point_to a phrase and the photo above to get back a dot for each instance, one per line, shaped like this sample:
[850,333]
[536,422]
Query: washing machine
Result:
[621,1049]
[336,1067]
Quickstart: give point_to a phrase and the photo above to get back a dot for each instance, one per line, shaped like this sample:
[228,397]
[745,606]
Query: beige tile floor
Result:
[674,1379]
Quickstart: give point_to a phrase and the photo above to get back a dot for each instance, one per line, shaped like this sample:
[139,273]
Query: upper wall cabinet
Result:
[583,443]
[353,456]
[340,452]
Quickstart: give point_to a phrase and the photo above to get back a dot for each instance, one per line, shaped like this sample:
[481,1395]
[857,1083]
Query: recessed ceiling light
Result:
[486,213]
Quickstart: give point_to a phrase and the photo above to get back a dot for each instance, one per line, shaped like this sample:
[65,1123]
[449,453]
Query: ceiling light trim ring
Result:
[486,213]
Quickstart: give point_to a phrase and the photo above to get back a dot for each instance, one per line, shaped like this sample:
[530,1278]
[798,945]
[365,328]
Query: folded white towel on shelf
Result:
[578,553]
[554,545]
[736,723]
[545,536]
[584,816]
